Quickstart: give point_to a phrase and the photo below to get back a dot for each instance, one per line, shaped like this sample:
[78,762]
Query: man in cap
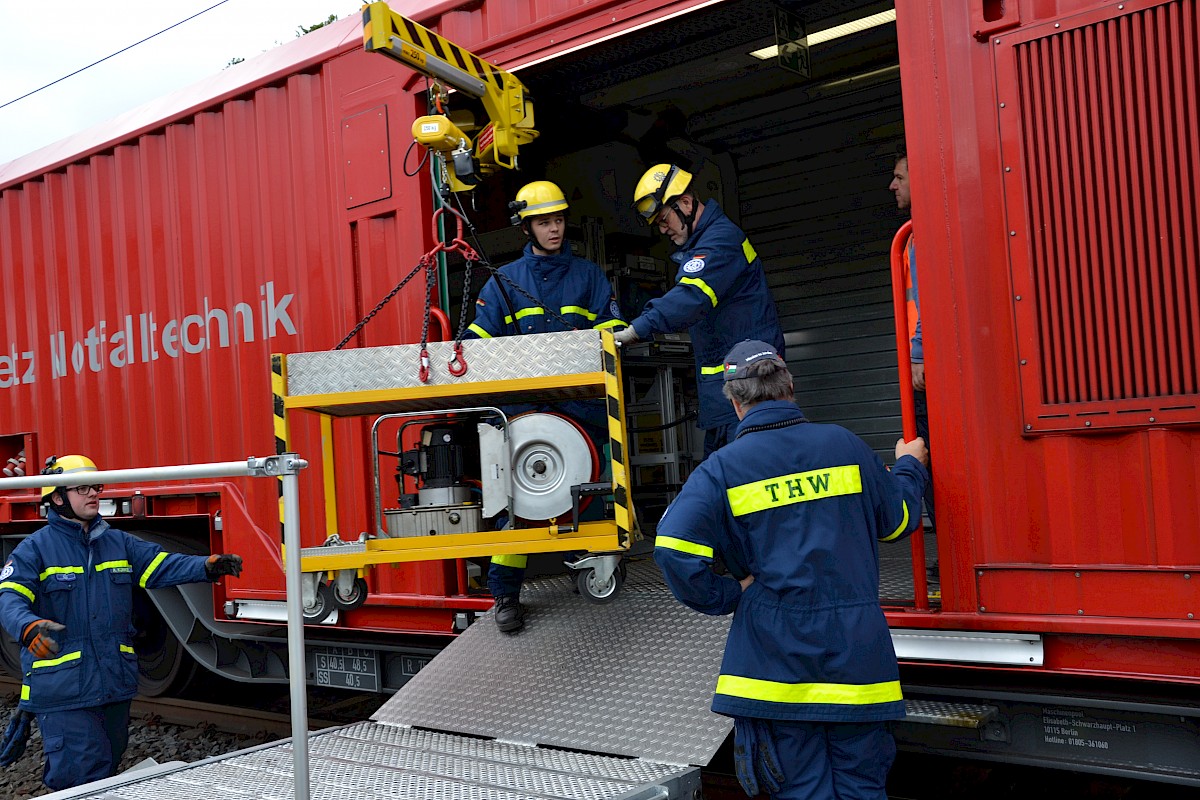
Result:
[547,289]
[795,509]
[66,595]
[720,294]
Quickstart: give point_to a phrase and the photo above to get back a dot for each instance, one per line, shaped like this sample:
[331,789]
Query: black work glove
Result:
[38,636]
[16,736]
[223,564]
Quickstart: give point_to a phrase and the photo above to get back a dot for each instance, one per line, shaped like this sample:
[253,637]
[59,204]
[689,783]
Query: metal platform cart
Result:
[482,478]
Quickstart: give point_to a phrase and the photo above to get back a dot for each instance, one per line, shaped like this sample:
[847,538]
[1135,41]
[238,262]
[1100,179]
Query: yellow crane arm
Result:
[510,113]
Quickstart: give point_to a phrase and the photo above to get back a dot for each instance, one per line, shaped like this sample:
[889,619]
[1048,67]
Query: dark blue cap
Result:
[746,353]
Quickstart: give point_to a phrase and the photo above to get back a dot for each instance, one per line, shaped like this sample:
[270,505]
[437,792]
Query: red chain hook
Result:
[458,364]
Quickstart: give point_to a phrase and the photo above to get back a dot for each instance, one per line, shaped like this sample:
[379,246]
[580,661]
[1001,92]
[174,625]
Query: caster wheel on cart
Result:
[323,606]
[356,597]
[596,592]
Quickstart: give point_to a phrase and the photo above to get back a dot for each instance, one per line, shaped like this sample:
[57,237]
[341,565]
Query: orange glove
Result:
[37,638]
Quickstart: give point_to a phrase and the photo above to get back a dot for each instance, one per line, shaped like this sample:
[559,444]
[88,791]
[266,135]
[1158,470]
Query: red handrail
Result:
[908,414]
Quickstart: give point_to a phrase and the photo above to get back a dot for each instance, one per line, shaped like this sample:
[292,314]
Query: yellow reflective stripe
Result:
[683,546]
[18,588]
[718,369]
[113,565]
[580,310]
[748,250]
[511,561]
[158,559]
[54,662]
[48,571]
[24,691]
[844,694]
[479,331]
[702,286]
[799,487]
[612,323]
[526,312]
[126,648]
[903,524]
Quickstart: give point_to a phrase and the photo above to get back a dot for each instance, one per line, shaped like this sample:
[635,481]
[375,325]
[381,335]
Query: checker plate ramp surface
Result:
[508,358]
[631,678]
[370,761]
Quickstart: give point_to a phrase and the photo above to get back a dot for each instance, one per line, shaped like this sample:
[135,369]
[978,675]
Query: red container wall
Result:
[1014,506]
[147,285]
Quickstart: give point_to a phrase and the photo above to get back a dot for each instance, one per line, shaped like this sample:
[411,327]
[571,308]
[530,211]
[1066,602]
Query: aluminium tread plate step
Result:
[631,678]
[372,761]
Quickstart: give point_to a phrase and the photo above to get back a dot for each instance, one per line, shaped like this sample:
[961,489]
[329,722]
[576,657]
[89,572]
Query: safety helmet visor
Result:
[658,187]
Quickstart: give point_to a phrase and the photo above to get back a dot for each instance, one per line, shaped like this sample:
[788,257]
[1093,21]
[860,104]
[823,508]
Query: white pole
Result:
[295,624]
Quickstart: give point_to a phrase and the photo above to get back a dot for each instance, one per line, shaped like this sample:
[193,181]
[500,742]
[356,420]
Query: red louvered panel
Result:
[1101,145]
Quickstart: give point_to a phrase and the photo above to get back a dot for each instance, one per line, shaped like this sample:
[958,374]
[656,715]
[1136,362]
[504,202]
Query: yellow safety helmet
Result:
[535,199]
[661,184]
[62,465]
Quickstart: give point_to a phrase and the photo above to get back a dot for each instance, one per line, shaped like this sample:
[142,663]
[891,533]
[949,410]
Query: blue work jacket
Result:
[83,579]
[800,507]
[720,297]
[571,287]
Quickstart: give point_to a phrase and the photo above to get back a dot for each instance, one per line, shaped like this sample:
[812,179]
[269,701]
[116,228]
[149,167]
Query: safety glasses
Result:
[95,488]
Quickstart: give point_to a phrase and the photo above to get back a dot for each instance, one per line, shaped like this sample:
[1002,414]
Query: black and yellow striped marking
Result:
[617,439]
[380,24]
[282,436]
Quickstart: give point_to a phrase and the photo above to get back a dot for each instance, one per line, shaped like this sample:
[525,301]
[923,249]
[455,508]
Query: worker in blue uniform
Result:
[547,289]
[795,509]
[66,594]
[720,294]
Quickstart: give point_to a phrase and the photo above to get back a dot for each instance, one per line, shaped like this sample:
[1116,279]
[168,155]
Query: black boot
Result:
[509,615]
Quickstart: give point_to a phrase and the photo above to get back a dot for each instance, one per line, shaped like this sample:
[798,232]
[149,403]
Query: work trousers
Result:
[820,760]
[84,744]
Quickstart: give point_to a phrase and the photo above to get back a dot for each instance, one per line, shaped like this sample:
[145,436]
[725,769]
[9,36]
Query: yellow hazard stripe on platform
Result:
[379,28]
[18,588]
[158,559]
[748,251]
[328,475]
[683,546]
[702,286]
[842,694]
[54,662]
[282,434]
[516,562]
[48,571]
[615,403]
[798,487]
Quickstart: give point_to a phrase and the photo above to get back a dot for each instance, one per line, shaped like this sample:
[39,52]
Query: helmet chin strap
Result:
[686,219]
[65,509]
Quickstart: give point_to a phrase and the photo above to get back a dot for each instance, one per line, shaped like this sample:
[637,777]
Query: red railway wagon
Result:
[150,267]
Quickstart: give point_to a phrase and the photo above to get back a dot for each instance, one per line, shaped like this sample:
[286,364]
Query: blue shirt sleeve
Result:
[19,588]
[489,314]
[685,547]
[898,497]
[700,286]
[154,568]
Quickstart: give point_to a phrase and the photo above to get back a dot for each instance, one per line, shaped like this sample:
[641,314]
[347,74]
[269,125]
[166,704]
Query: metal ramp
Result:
[588,702]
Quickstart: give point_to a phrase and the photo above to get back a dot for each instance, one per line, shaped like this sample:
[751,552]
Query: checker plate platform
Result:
[631,678]
[370,761]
